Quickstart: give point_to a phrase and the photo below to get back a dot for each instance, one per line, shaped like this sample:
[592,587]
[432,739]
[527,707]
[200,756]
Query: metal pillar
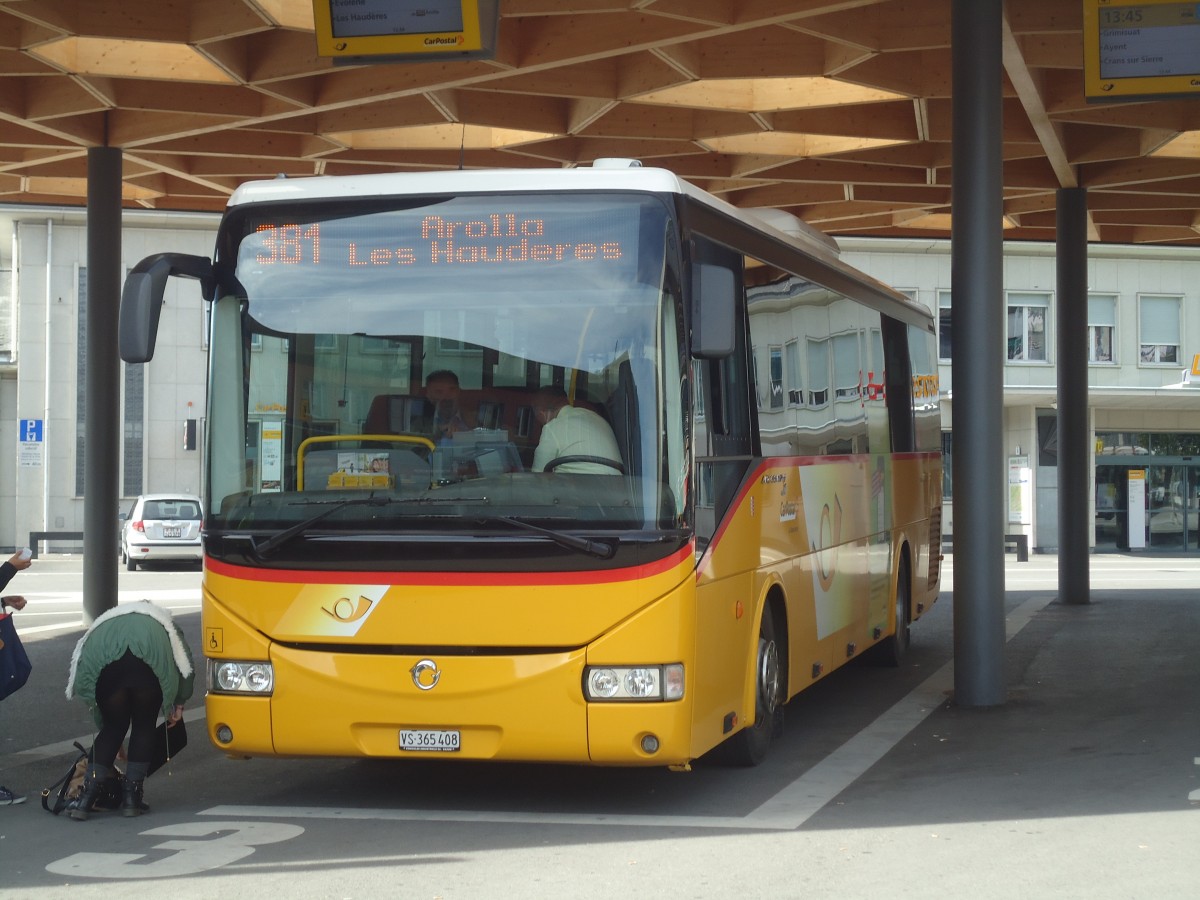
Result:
[978,354]
[102,382]
[1073,499]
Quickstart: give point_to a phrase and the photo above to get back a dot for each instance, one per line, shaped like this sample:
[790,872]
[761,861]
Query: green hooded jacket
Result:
[147,630]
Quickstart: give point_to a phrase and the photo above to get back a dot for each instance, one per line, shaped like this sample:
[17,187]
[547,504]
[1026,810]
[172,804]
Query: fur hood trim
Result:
[140,607]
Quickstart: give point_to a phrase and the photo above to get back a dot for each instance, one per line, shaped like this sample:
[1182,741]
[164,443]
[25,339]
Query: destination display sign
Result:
[1141,49]
[498,239]
[484,245]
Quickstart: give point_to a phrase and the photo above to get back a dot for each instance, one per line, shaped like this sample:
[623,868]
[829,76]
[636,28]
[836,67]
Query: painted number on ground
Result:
[204,846]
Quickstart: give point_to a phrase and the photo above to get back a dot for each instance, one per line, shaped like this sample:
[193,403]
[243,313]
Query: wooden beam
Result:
[1025,82]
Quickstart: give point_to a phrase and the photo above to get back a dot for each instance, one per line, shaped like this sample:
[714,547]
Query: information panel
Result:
[1137,509]
[1140,49]
[365,31]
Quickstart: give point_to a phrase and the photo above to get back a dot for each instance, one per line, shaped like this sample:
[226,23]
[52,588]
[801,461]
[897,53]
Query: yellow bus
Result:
[579,465]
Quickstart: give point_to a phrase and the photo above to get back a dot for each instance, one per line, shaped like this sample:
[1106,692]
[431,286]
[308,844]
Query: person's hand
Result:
[175,716]
[14,602]
[18,561]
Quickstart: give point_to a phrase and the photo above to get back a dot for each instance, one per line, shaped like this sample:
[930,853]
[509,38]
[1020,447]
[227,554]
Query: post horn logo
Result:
[346,610]
[425,675]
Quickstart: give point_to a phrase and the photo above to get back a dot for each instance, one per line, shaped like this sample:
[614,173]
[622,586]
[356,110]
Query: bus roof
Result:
[603,175]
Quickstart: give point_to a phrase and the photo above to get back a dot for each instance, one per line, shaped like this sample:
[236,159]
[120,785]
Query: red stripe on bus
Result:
[470,579]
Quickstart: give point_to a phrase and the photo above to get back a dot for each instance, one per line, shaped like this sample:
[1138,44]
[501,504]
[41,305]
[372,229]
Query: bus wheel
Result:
[749,746]
[891,652]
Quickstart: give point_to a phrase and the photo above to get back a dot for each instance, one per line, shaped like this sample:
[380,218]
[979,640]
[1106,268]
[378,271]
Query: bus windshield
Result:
[479,363]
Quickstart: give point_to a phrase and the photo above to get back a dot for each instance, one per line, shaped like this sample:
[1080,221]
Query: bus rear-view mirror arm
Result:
[142,299]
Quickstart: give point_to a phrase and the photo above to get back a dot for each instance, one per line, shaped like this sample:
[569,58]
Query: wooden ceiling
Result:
[835,110]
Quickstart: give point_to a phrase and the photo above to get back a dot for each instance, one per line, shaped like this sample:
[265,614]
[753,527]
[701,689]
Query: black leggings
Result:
[128,695]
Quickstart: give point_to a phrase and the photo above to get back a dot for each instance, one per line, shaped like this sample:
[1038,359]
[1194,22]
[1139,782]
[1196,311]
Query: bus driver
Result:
[572,431]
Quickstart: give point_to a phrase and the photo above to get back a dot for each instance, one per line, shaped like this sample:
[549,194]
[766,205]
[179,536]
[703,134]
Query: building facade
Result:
[1143,384]
[1143,346]
[43,398]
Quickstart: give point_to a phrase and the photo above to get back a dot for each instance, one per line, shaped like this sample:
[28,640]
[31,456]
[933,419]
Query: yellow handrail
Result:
[343,438]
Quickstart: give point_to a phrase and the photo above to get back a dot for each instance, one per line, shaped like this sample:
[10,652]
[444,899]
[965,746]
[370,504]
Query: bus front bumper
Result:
[527,707]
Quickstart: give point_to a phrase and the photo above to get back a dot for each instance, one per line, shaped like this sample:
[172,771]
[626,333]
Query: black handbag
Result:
[57,797]
[14,661]
[67,789]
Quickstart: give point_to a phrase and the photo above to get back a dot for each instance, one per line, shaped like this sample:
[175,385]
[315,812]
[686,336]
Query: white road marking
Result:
[61,749]
[176,601]
[492,816]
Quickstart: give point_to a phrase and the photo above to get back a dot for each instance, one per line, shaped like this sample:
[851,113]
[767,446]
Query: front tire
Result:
[750,745]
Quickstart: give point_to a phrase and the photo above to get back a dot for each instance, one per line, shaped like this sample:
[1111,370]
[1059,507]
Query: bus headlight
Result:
[230,676]
[625,683]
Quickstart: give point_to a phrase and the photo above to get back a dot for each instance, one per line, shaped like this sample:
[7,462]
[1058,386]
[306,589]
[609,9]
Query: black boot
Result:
[82,805]
[131,798]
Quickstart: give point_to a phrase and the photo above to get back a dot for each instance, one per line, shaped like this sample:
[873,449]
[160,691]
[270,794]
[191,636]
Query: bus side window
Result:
[898,387]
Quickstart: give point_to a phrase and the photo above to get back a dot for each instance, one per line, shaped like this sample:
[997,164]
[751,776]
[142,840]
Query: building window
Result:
[776,367]
[1102,323]
[818,373]
[847,367]
[1158,329]
[1047,431]
[944,342]
[1028,327]
[133,429]
[8,337]
[947,466]
[795,386]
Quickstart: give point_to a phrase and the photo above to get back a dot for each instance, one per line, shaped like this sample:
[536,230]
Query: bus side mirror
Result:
[142,299]
[714,311]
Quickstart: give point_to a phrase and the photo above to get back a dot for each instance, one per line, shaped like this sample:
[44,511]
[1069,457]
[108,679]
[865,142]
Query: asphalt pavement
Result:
[1084,783]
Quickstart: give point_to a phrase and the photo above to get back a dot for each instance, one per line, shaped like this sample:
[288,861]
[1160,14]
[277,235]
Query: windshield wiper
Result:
[598,549]
[277,540]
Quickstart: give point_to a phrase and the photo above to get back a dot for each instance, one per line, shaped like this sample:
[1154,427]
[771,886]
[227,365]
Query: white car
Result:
[162,527]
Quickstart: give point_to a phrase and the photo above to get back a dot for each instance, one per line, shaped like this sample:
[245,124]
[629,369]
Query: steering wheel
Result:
[601,460]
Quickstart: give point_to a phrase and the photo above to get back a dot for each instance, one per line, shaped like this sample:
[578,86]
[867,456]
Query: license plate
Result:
[428,740]
[172,531]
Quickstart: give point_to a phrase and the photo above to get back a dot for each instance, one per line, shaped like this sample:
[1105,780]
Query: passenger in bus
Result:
[441,389]
[573,431]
